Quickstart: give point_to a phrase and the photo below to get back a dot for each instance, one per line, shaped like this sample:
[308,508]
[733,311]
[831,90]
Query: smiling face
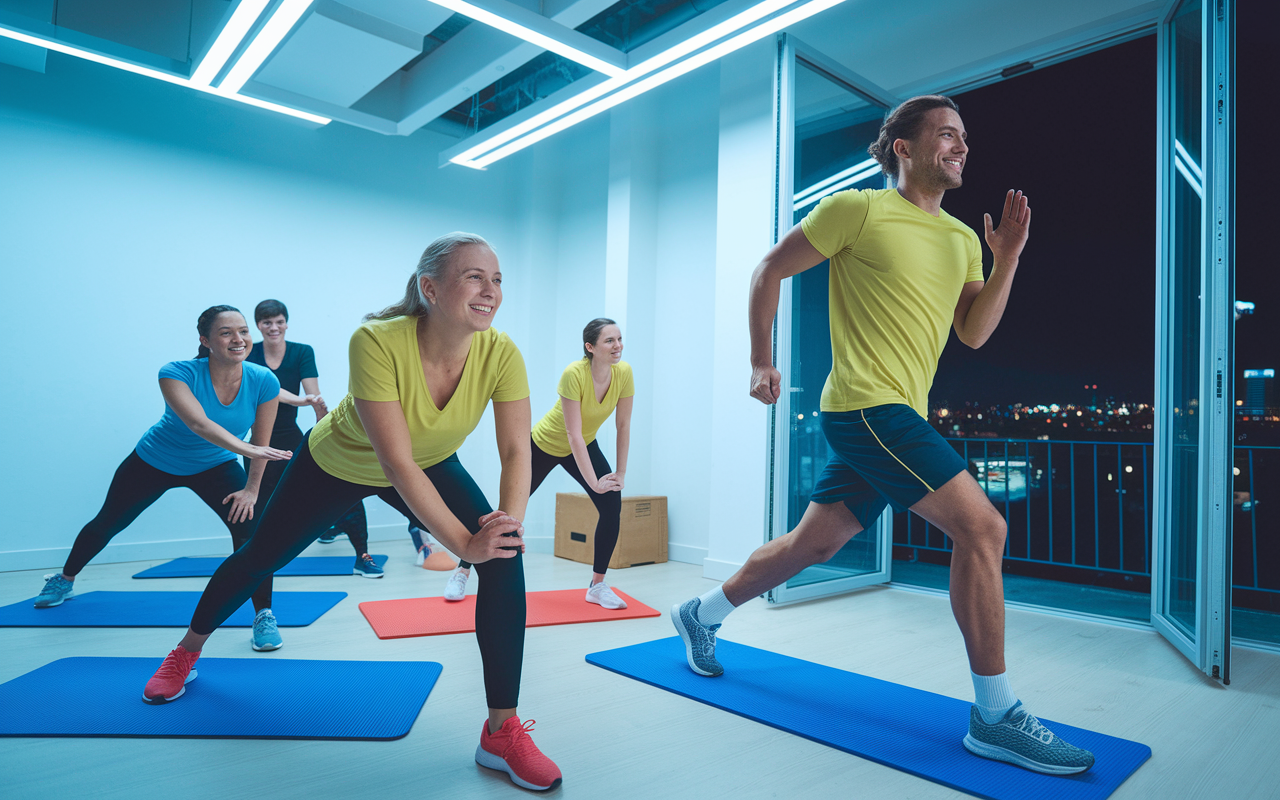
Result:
[935,158]
[273,328]
[468,291]
[229,339]
[608,345]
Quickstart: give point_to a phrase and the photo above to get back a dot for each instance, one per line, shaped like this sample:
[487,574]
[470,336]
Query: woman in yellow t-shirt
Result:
[590,389]
[422,373]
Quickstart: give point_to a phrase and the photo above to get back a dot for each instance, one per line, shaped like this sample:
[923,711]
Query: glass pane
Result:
[1255,595]
[1179,600]
[834,127]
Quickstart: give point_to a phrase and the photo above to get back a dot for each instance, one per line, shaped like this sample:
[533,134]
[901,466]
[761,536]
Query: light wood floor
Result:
[617,738]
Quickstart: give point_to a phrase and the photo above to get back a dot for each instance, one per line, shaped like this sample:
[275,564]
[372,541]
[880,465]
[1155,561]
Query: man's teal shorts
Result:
[884,455]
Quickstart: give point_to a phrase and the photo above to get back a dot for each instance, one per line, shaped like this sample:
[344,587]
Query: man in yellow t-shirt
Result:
[903,272]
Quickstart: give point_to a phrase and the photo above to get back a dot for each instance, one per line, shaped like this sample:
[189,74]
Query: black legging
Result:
[354,523]
[308,500]
[137,485]
[609,504]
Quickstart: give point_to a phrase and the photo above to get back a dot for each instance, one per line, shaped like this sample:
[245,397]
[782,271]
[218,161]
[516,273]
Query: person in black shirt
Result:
[294,364]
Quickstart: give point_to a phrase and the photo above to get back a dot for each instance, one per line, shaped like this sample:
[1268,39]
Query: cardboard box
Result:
[642,539]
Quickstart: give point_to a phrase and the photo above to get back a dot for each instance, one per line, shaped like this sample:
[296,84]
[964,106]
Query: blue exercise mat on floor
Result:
[908,729]
[230,698]
[159,610]
[302,565]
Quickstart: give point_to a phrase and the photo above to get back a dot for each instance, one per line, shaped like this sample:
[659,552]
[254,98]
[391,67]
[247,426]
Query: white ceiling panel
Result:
[420,16]
[909,44]
[338,54]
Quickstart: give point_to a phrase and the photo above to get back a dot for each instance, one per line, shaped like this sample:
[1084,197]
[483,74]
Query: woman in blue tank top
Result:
[211,402]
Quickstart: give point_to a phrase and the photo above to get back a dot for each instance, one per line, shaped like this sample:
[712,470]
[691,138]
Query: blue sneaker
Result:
[56,589]
[699,639]
[1020,739]
[329,536]
[266,635]
[415,533]
[367,567]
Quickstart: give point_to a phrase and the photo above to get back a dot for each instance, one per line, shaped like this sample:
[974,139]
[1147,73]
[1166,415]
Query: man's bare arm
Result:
[791,256]
[982,305]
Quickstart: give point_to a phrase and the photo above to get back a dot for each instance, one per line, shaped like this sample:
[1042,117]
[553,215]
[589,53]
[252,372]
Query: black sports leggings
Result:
[137,485]
[355,524]
[308,500]
[609,504]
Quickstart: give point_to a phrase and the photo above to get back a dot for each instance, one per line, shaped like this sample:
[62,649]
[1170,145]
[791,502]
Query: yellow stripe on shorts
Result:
[890,452]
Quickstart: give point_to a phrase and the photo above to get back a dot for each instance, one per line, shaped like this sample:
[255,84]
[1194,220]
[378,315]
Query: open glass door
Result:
[1191,584]
[826,118]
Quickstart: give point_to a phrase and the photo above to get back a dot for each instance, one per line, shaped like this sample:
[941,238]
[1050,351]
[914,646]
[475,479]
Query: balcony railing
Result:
[1083,508]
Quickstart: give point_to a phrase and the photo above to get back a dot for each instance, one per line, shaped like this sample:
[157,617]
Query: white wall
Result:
[131,205]
[128,207]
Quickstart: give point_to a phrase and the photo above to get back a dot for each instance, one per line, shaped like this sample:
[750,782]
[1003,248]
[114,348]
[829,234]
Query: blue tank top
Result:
[171,446]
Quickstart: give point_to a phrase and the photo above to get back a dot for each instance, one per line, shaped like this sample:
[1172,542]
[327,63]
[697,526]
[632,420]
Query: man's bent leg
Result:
[977,533]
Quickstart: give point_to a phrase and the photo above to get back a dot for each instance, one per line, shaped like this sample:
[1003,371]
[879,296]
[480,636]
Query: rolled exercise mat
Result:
[159,610]
[908,729]
[230,698]
[429,616]
[302,565]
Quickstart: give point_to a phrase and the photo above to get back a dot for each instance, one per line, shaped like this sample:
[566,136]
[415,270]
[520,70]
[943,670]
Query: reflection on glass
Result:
[834,127]
[1185,103]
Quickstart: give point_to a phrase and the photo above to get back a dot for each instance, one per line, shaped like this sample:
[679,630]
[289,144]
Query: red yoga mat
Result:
[429,616]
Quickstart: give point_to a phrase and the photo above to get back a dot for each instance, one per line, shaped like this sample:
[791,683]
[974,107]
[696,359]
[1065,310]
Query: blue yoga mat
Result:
[303,565]
[159,610]
[908,729]
[230,698]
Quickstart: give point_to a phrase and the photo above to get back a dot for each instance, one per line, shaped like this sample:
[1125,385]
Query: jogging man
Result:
[903,271]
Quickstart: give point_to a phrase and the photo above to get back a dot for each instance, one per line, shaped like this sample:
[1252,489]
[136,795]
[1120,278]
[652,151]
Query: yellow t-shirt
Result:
[575,383]
[386,365]
[896,276]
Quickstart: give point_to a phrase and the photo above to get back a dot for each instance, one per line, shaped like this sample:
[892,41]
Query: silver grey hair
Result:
[435,259]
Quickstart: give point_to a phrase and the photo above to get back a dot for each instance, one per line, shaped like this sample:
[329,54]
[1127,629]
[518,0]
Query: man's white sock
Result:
[993,696]
[714,607]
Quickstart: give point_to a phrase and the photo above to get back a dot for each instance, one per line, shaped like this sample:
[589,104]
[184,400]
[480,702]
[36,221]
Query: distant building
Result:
[1257,391]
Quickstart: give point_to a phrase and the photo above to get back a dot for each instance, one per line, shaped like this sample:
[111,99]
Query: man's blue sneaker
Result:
[56,589]
[367,567]
[699,639]
[1020,739]
[266,635]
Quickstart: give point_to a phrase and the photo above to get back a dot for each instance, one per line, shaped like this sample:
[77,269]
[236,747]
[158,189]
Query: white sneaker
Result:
[456,588]
[602,595]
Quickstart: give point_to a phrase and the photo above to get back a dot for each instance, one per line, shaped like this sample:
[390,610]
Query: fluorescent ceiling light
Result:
[530,35]
[734,23]
[59,47]
[651,82]
[228,40]
[282,21]
[1191,162]
[861,166]
[852,180]
[1191,179]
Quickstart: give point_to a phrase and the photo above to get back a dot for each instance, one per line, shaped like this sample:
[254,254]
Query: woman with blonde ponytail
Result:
[423,371]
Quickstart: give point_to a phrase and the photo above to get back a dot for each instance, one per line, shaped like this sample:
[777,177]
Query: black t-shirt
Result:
[299,362]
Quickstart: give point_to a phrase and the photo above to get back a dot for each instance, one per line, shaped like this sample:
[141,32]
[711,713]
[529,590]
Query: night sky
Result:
[1079,138]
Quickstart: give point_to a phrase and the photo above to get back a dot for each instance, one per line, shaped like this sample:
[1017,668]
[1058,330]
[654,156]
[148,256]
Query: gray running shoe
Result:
[56,589]
[1020,739]
[699,639]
